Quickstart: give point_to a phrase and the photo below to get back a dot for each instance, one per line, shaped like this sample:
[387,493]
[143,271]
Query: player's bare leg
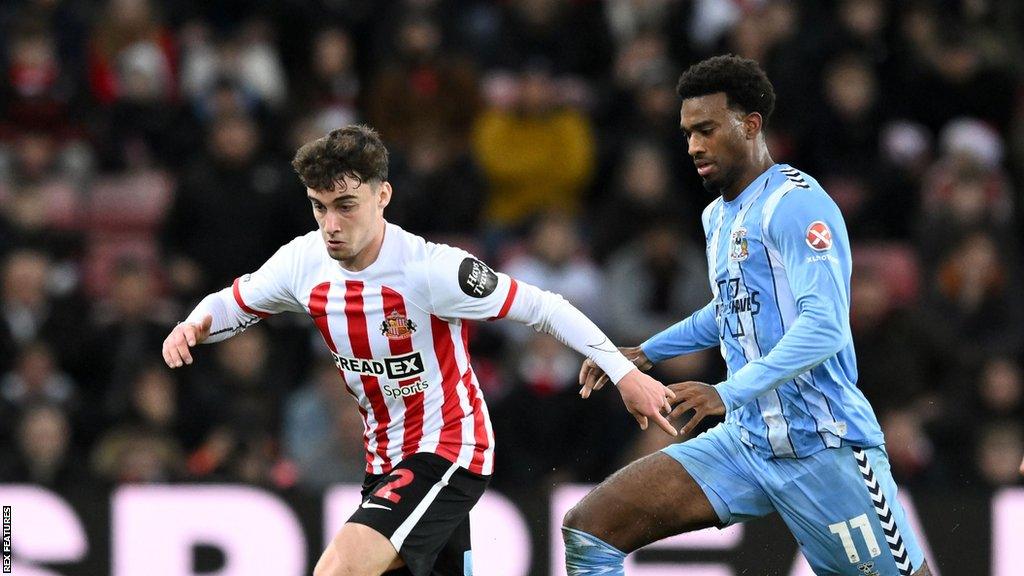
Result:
[649,500]
[358,550]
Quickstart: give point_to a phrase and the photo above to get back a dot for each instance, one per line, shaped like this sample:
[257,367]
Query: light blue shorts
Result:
[839,503]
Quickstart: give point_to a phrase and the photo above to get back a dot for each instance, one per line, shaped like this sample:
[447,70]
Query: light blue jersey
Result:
[779,266]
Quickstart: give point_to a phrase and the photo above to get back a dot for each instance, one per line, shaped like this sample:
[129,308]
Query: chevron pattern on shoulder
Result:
[885,515]
[795,176]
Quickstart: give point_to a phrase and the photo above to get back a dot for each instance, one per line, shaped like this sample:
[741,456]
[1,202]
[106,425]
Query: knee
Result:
[332,563]
[327,564]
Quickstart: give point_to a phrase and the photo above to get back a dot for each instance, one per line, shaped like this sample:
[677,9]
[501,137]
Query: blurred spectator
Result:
[862,28]
[1000,447]
[974,307]
[643,191]
[238,399]
[43,451]
[323,431]
[532,27]
[543,403]
[966,190]
[537,155]
[955,68]
[137,456]
[29,312]
[39,90]
[438,188]
[421,88]
[553,259]
[878,328]
[130,326]
[131,52]
[40,204]
[232,210]
[331,92]
[248,58]
[35,379]
[1001,389]
[150,401]
[912,454]
[653,283]
[844,137]
[629,18]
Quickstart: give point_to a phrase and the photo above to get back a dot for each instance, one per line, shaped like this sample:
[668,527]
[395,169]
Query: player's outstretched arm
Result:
[216,317]
[184,336]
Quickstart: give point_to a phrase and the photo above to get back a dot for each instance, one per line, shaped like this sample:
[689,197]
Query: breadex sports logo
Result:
[818,236]
[405,389]
[390,367]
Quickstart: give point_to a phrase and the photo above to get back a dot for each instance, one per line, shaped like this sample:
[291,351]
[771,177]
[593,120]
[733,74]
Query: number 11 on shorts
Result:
[843,530]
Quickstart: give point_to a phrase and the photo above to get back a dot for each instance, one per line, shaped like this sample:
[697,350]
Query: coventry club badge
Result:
[738,250]
[397,327]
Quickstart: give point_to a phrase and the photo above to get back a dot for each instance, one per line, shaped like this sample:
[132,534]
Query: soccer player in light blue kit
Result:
[799,437]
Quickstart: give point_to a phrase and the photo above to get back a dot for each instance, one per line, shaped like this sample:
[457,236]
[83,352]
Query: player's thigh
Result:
[422,508]
[648,500]
[357,550]
[842,508]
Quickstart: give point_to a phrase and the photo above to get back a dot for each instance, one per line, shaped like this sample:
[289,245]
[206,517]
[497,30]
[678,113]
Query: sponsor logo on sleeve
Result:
[818,236]
[477,279]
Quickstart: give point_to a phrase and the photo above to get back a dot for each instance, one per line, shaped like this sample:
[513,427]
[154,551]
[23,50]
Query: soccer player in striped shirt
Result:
[799,437]
[392,308]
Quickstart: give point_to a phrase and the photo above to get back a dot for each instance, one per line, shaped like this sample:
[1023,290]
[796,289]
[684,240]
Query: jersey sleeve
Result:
[697,332]
[809,235]
[461,286]
[268,290]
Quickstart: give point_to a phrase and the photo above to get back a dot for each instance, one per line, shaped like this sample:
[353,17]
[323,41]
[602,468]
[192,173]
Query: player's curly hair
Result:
[355,151]
[745,84]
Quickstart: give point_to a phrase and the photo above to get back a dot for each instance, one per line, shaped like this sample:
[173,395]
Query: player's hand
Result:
[646,398]
[702,398]
[184,336]
[593,378]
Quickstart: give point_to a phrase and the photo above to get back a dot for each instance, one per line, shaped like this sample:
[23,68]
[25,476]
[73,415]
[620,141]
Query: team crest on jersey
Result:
[397,327]
[738,250]
[818,236]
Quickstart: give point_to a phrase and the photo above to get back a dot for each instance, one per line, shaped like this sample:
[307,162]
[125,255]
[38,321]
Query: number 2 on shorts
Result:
[843,531]
[403,478]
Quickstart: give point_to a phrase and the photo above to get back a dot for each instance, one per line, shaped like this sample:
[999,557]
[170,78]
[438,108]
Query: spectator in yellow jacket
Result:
[536,152]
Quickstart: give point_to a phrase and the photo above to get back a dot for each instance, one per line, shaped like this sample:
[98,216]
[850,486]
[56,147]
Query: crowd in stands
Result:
[144,162]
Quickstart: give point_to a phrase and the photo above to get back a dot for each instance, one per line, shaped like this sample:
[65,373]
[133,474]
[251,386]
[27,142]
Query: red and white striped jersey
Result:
[397,333]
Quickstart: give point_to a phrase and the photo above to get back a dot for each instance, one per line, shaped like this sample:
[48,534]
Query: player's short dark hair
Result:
[744,83]
[355,151]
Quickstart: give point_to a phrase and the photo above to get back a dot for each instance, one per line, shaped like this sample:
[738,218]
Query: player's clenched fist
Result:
[184,336]
[646,398]
[702,398]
